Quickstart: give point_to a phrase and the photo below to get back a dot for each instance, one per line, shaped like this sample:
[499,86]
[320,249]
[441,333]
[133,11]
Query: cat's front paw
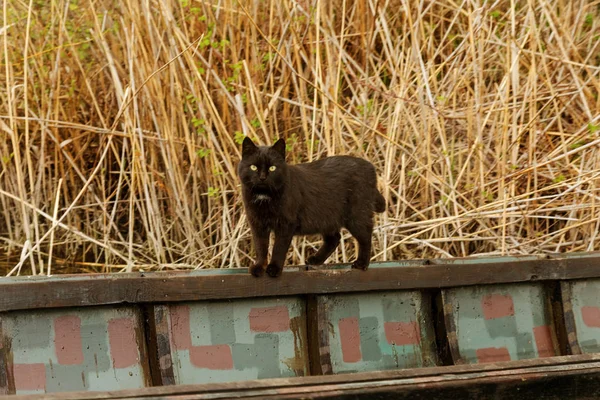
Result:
[360,265]
[274,270]
[257,270]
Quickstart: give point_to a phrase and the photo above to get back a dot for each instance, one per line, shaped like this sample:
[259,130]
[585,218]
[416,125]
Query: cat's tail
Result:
[379,202]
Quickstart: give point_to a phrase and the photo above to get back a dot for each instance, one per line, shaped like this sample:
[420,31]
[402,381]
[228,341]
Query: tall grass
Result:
[121,124]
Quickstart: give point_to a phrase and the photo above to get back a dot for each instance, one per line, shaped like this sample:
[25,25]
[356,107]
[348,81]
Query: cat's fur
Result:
[319,197]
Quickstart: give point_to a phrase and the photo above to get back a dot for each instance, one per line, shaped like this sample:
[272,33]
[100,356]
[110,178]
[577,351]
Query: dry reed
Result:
[121,124]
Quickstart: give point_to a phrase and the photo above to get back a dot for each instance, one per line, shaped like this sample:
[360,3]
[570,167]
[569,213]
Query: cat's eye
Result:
[272,168]
[253,167]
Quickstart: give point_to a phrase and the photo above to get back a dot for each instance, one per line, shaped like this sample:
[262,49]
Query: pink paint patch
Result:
[497,306]
[123,344]
[29,376]
[543,341]
[180,327]
[212,357]
[493,354]
[591,316]
[350,339]
[269,319]
[67,340]
[402,333]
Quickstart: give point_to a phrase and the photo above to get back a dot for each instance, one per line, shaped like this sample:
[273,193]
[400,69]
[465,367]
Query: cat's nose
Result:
[263,177]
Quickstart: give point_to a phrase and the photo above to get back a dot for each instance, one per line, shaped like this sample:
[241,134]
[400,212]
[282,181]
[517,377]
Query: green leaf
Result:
[6,159]
[238,137]
[198,121]
[202,152]
[213,192]
[290,142]
[576,145]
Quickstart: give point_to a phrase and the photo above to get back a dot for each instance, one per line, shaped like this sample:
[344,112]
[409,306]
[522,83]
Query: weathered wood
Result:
[550,378]
[440,330]
[558,313]
[161,362]
[581,305]
[518,385]
[162,287]
[569,318]
[7,384]
[318,339]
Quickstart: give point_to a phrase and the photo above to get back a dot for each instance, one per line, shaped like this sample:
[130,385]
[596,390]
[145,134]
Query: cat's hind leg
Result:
[330,242]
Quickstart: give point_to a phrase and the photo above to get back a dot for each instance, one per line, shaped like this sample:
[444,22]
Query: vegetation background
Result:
[121,124]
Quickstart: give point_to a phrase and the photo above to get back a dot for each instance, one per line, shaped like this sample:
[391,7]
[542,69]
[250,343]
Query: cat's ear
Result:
[248,147]
[279,147]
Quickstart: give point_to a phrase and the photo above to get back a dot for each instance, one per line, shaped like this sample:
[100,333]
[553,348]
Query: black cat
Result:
[322,197]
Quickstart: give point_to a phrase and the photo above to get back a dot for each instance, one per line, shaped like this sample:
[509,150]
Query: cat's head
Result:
[263,169]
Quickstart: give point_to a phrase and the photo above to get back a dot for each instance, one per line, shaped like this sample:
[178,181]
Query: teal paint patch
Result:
[63,379]
[525,345]
[340,307]
[369,339]
[486,259]
[579,254]
[539,297]
[501,327]
[376,265]
[96,358]
[222,329]
[499,322]
[378,331]
[393,308]
[34,334]
[263,353]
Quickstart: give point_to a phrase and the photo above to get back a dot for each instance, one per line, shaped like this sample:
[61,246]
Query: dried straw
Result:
[121,123]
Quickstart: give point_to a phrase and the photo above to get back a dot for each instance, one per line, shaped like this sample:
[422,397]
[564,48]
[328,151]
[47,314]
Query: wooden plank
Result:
[7,383]
[506,377]
[441,332]
[318,339]
[558,313]
[569,318]
[159,344]
[169,287]
[519,385]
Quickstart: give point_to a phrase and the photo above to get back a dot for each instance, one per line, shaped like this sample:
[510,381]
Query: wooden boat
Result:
[501,327]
